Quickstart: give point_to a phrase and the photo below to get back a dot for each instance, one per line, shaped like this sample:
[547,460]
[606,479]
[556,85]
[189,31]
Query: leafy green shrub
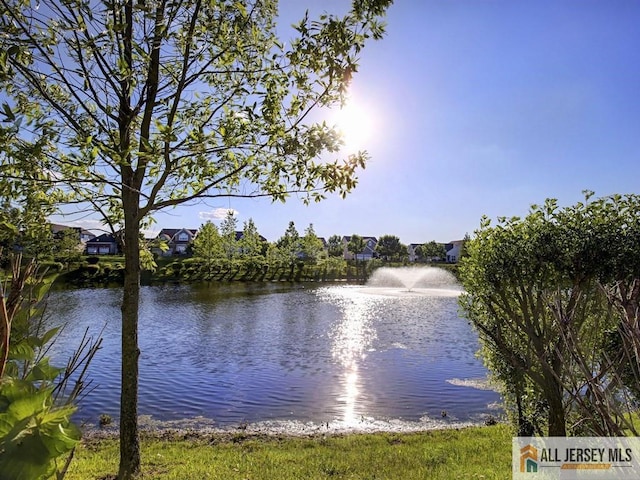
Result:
[36,398]
[92,269]
[93,260]
[52,266]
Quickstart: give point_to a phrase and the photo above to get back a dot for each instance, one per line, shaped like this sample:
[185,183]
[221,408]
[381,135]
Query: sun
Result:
[356,123]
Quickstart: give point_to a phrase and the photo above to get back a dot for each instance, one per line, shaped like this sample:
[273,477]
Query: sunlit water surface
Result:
[283,357]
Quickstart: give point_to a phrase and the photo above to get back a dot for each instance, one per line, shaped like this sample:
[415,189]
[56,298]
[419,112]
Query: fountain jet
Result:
[410,278]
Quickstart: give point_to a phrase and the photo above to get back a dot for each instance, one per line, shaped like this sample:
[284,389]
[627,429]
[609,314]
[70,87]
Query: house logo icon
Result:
[529,459]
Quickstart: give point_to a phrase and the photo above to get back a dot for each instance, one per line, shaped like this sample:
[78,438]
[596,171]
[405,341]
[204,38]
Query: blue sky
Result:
[477,108]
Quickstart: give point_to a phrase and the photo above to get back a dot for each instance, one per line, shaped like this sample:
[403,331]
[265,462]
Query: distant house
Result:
[369,248]
[453,250]
[177,239]
[86,235]
[83,235]
[105,244]
[412,249]
[240,234]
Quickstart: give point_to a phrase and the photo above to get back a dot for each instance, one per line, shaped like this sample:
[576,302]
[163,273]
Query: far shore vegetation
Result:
[226,254]
[107,271]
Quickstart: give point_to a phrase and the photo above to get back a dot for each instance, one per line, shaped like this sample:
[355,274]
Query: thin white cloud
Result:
[217,213]
[150,232]
[91,224]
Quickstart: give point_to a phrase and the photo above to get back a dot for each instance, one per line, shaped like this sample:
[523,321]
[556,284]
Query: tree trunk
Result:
[131,181]
[129,443]
[557,427]
[525,427]
[557,423]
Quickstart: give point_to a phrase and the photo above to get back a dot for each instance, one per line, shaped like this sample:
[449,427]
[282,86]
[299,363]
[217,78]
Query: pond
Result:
[285,356]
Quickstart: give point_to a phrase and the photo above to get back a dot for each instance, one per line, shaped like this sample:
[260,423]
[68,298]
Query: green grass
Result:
[470,453]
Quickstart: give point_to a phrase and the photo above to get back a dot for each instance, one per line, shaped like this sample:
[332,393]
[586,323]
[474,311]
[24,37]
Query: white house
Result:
[412,249]
[369,248]
[454,249]
[177,239]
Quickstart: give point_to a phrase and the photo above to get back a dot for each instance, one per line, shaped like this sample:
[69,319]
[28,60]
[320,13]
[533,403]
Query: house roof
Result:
[364,237]
[170,233]
[240,234]
[56,228]
[104,238]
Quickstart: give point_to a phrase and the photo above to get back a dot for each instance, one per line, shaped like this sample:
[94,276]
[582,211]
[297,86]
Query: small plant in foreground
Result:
[104,420]
[36,398]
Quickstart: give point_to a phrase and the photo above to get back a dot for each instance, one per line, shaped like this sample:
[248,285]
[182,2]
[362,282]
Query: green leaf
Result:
[29,406]
[8,112]
[42,371]
[21,351]
[26,457]
[49,334]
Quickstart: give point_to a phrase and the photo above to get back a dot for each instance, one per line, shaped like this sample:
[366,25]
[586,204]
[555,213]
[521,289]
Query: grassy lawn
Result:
[469,453]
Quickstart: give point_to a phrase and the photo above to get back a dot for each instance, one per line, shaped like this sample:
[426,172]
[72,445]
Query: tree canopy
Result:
[311,245]
[139,106]
[335,247]
[432,251]
[389,247]
[356,245]
[290,245]
[547,294]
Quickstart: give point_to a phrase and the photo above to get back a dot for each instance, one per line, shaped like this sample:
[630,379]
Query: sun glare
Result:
[357,125]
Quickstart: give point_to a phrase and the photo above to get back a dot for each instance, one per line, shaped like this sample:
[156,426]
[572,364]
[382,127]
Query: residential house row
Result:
[83,235]
[179,239]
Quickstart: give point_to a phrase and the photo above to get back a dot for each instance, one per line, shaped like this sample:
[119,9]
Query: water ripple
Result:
[346,355]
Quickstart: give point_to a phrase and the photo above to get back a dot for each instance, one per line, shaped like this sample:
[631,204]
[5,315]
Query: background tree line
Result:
[225,248]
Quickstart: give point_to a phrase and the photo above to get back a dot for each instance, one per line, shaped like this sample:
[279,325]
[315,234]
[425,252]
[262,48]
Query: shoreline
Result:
[203,428]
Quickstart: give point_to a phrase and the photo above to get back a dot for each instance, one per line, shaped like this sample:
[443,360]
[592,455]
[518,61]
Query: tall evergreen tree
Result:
[251,245]
[289,245]
[228,237]
[335,247]
[311,245]
[207,245]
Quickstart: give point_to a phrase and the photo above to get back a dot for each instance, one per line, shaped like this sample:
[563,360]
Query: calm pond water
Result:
[350,356]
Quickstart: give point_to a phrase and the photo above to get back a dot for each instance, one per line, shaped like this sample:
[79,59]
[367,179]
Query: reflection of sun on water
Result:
[351,339]
[350,395]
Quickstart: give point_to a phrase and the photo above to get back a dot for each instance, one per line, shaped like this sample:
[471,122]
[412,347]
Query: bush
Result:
[52,267]
[35,409]
[92,269]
